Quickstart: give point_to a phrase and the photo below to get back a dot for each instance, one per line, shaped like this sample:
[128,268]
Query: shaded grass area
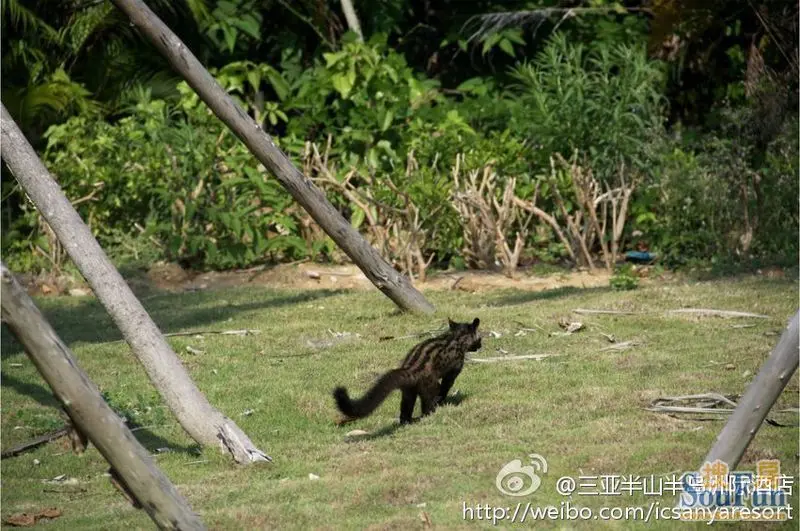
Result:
[582,408]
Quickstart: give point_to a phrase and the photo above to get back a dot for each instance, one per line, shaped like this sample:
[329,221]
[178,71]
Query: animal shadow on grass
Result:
[152,442]
[453,400]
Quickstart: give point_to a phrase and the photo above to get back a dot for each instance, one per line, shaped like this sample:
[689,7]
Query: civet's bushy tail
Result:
[356,409]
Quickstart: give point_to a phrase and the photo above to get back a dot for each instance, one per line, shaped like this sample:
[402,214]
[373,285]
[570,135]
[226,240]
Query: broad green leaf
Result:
[230,36]
[249,25]
[392,73]
[514,35]
[343,83]
[372,158]
[489,42]
[339,82]
[278,83]
[236,225]
[507,47]
[351,76]
[387,120]
[254,77]
[333,58]
[357,218]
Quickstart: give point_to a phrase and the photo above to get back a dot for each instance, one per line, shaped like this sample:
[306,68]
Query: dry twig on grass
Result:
[706,312]
[625,345]
[583,311]
[242,332]
[703,312]
[35,443]
[707,403]
[535,357]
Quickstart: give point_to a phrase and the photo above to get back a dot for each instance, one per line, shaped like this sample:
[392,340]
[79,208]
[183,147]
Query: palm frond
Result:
[26,20]
[22,53]
[59,94]
[85,23]
[160,84]
[490,23]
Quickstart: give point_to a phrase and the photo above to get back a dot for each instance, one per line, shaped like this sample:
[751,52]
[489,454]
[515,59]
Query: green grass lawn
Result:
[581,408]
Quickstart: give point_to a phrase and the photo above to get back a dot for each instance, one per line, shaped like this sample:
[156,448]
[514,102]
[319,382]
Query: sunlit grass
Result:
[581,408]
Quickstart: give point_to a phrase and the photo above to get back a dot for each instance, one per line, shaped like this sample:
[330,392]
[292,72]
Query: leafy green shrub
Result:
[169,181]
[363,94]
[606,102]
[721,201]
[684,215]
[776,233]
[624,279]
[181,178]
[247,82]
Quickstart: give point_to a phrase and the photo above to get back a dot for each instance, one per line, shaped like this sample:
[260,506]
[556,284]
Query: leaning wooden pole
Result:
[196,415]
[89,413]
[392,283]
[352,18]
[758,399]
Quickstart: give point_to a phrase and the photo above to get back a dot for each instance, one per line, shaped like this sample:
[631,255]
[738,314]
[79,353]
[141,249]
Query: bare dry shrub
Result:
[397,232]
[486,221]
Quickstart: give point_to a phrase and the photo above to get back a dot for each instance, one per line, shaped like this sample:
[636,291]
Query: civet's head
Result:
[467,334]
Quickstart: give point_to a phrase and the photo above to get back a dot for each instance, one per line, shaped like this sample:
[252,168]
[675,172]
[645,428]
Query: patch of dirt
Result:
[309,276]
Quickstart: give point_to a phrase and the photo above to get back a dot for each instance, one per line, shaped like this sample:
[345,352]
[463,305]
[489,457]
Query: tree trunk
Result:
[392,283]
[758,400]
[352,18]
[89,413]
[203,423]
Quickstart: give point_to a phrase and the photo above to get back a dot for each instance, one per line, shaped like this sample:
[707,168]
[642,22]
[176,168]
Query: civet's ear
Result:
[475,323]
[453,325]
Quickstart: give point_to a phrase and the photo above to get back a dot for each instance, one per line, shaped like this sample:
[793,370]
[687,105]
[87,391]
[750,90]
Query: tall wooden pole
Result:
[89,413]
[392,283]
[758,399]
[197,416]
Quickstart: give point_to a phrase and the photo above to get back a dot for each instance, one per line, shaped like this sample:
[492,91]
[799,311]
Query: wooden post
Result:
[197,416]
[351,18]
[758,400]
[392,283]
[89,412]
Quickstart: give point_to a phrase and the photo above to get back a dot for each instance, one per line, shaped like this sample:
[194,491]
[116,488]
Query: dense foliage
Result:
[542,106]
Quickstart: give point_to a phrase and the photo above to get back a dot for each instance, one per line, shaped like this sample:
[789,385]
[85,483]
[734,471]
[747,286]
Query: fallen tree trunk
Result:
[89,413]
[758,399]
[200,419]
[392,283]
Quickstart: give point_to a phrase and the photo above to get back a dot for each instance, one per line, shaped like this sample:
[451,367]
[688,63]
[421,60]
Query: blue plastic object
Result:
[643,257]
